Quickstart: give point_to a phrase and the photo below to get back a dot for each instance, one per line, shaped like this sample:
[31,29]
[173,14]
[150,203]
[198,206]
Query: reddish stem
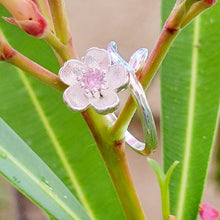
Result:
[37,71]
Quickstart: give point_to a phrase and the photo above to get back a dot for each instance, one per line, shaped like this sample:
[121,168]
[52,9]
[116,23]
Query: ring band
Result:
[136,62]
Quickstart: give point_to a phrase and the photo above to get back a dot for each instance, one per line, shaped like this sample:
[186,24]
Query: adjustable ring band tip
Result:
[137,61]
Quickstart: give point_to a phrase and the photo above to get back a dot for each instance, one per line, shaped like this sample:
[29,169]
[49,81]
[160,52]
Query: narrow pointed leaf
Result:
[158,171]
[169,174]
[190,103]
[164,181]
[26,171]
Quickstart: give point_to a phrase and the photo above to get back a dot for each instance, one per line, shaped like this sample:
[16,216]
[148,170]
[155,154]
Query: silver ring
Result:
[137,61]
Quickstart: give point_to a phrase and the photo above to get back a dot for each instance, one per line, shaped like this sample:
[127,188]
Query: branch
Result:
[36,71]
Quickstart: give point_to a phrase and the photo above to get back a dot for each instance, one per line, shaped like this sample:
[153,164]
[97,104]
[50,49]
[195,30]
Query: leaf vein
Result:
[36,180]
[56,143]
[188,143]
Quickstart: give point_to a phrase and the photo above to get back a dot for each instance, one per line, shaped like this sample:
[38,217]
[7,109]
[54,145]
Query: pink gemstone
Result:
[132,141]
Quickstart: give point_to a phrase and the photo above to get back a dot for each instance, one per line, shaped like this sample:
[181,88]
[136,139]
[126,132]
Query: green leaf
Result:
[159,172]
[190,101]
[26,171]
[164,181]
[59,136]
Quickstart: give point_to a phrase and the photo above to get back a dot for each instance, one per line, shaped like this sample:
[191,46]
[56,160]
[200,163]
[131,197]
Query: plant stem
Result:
[113,153]
[45,10]
[66,52]
[158,54]
[37,71]
[115,160]
[165,203]
[60,20]
[109,141]
[61,41]
[181,15]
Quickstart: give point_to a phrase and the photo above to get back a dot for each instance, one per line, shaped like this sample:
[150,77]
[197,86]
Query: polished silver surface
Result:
[137,61]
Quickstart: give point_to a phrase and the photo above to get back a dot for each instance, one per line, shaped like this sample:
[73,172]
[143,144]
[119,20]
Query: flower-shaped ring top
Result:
[94,81]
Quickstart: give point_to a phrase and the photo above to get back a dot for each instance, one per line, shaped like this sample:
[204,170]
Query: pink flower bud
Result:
[195,9]
[207,212]
[27,16]
[6,51]
[211,2]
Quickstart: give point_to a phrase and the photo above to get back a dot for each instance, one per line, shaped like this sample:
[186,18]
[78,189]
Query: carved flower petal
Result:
[138,59]
[105,104]
[70,71]
[75,98]
[96,57]
[117,77]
